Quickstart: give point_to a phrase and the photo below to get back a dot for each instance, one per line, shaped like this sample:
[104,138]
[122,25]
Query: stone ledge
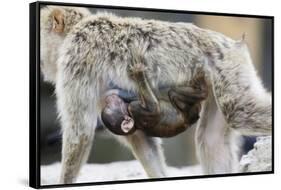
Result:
[259,158]
[256,160]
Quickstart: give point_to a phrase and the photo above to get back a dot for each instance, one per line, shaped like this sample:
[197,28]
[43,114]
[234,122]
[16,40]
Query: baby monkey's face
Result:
[115,116]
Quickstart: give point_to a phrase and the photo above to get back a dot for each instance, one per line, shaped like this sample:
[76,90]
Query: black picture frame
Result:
[34,96]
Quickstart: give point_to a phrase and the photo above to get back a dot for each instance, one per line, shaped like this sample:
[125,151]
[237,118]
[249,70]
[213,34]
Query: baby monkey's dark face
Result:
[116,117]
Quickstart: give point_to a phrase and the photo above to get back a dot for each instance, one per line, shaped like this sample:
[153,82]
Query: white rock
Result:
[259,158]
[125,170]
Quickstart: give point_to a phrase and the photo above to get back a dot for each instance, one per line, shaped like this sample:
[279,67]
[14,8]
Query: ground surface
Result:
[125,170]
[258,159]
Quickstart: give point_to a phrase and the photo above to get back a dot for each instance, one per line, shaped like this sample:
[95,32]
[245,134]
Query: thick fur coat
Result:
[96,50]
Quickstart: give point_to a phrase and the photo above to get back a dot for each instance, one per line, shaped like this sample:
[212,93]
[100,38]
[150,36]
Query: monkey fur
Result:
[81,54]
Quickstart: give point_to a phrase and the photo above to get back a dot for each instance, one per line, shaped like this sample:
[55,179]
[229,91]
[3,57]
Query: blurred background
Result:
[179,150]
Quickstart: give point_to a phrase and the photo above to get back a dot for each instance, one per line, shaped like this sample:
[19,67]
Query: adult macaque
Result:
[82,53]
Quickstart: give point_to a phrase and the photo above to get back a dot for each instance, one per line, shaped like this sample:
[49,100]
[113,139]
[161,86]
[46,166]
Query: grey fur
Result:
[97,49]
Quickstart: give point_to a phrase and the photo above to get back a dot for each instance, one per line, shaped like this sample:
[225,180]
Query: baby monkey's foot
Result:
[188,101]
[136,70]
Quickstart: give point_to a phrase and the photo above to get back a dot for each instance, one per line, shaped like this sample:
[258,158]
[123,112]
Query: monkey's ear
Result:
[58,21]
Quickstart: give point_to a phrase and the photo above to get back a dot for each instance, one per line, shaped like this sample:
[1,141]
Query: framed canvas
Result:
[121,94]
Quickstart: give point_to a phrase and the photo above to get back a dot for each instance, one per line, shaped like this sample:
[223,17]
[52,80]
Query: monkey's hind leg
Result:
[240,94]
[216,144]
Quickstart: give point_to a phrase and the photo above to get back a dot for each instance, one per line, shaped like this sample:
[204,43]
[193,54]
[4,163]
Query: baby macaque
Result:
[175,110]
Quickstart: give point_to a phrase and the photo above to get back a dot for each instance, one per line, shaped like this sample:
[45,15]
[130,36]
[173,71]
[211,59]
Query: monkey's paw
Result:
[136,69]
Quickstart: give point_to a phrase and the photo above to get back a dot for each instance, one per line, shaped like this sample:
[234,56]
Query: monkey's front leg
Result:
[78,119]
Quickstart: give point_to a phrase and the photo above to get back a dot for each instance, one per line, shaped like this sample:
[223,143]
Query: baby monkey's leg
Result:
[188,100]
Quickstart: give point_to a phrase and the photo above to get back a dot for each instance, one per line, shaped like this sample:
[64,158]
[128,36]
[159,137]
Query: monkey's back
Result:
[173,52]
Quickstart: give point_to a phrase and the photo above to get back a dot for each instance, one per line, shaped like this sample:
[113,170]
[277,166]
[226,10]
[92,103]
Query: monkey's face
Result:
[115,116]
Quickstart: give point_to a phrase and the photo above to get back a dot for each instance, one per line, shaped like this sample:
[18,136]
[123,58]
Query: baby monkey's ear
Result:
[58,21]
